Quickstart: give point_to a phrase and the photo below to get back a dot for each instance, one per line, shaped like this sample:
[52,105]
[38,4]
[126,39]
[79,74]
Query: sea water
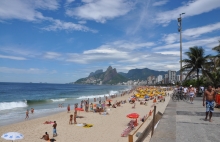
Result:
[16,98]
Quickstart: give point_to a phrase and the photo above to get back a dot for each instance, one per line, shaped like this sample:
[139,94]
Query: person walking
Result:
[191,91]
[209,97]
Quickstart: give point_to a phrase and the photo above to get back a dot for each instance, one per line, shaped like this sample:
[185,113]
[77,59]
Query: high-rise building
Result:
[159,78]
[171,76]
[166,79]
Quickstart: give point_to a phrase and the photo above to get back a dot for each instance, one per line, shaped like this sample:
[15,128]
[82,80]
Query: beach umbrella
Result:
[133,115]
[12,136]
[146,96]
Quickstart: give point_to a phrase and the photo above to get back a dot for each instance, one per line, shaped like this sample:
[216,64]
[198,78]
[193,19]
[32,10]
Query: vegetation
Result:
[197,61]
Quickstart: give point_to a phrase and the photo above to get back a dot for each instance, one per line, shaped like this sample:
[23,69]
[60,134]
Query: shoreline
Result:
[103,125]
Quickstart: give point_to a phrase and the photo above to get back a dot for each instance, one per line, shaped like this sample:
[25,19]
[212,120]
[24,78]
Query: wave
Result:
[113,92]
[11,105]
[97,96]
[58,100]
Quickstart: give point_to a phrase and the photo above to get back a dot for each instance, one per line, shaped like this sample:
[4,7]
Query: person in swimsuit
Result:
[68,108]
[71,119]
[45,137]
[54,129]
[75,114]
[209,97]
[191,91]
[27,114]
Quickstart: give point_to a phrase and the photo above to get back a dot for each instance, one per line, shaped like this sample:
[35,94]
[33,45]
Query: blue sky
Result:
[60,41]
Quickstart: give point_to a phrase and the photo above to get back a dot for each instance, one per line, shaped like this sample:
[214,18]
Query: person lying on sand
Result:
[48,122]
[103,113]
[45,137]
[79,116]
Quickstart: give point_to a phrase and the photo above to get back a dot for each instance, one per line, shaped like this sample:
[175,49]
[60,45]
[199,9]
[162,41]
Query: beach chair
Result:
[126,132]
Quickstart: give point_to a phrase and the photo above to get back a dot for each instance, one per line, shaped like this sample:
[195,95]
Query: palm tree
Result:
[196,60]
[214,74]
[217,57]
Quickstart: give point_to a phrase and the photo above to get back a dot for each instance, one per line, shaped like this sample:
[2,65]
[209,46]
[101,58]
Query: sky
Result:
[60,41]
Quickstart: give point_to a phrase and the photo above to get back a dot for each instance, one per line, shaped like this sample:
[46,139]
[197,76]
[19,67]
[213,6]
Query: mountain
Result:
[110,76]
[141,74]
[96,72]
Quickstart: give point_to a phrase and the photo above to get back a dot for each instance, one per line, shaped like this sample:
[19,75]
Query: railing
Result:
[130,136]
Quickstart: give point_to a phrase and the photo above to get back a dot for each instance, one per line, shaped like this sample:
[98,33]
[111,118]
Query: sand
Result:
[106,128]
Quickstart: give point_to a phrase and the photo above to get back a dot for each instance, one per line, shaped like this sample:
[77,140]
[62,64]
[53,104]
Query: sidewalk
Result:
[184,122]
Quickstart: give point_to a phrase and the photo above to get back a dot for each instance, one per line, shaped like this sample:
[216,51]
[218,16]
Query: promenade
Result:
[184,122]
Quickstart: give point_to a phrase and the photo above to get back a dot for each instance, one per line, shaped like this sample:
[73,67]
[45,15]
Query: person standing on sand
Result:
[71,119]
[75,117]
[209,97]
[27,114]
[68,108]
[54,129]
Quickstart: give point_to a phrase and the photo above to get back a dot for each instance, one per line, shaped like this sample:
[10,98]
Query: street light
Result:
[180,30]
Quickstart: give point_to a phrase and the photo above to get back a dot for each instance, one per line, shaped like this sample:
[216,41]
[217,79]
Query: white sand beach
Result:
[106,128]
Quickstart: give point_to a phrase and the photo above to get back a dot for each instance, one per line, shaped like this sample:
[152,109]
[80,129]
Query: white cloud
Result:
[52,55]
[191,33]
[205,42]
[25,9]
[128,45]
[101,10]
[29,11]
[82,22]
[68,26]
[13,50]
[192,8]
[160,3]
[176,53]
[12,57]
[22,71]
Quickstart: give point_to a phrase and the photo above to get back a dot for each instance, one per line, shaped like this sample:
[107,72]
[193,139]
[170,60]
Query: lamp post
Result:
[180,30]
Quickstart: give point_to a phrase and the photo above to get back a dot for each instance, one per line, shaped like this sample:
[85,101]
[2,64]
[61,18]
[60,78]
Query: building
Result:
[178,78]
[171,76]
[166,79]
[159,78]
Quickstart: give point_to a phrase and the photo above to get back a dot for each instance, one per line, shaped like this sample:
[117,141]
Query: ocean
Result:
[16,98]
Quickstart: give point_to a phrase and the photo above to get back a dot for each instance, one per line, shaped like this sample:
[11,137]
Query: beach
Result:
[105,127]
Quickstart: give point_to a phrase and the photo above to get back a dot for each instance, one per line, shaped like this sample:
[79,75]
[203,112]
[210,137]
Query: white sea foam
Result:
[97,96]
[58,100]
[11,105]
[92,96]
[113,92]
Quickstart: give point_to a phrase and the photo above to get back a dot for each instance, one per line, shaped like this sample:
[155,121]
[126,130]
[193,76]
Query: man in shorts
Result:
[54,129]
[209,97]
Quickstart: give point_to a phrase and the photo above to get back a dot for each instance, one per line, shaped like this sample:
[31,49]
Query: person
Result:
[75,113]
[209,97]
[54,129]
[27,114]
[68,108]
[185,90]
[45,137]
[71,119]
[32,110]
[191,91]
